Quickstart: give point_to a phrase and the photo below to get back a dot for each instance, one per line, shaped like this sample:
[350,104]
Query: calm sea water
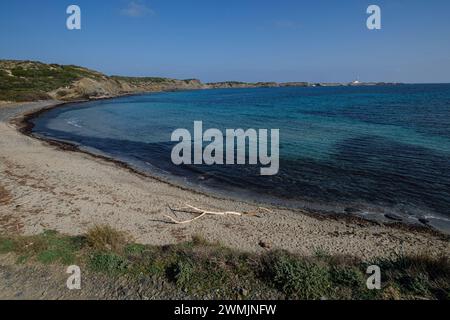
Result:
[376,152]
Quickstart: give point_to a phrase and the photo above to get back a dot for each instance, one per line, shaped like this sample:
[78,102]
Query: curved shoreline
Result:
[283,229]
[24,124]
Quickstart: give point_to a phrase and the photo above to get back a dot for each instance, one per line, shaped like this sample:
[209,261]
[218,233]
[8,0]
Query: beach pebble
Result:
[264,244]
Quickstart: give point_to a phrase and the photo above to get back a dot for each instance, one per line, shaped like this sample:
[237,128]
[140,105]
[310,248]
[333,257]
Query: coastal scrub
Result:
[208,270]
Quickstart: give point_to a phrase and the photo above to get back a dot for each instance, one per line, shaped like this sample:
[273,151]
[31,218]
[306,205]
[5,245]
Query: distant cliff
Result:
[31,80]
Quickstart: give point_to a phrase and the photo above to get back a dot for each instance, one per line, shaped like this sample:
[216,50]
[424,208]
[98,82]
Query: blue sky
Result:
[247,40]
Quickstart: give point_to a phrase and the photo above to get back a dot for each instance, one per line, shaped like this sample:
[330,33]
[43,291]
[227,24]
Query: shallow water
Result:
[368,151]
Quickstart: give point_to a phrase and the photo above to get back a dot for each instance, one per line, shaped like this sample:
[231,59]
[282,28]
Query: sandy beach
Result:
[43,187]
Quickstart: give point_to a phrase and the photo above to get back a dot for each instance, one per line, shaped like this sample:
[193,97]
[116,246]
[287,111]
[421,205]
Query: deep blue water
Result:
[370,151]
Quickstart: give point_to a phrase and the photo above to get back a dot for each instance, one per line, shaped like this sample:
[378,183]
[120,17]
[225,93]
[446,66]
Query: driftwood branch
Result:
[201,213]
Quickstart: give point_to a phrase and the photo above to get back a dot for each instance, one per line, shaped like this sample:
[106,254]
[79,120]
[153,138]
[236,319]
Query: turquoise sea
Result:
[380,152]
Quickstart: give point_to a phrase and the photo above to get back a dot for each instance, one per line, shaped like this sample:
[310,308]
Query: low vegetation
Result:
[210,270]
[30,81]
[143,80]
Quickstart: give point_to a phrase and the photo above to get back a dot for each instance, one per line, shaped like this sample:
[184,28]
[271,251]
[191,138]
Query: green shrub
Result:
[347,276]
[298,277]
[107,262]
[182,272]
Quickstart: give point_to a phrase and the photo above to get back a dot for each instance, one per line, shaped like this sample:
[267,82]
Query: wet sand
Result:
[45,187]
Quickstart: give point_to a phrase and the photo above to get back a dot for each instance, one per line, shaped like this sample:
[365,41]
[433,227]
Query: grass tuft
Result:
[105,238]
[6,245]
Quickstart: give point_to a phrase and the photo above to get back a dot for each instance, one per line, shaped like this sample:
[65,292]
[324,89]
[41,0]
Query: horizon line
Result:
[223,81]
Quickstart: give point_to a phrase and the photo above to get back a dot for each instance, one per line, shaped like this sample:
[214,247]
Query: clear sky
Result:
[246,40]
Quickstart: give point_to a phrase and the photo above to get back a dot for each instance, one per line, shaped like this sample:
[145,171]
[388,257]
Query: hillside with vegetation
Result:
[27,81]
[30,81]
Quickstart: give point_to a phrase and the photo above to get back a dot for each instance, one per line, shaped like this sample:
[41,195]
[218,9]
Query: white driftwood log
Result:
[203,213]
